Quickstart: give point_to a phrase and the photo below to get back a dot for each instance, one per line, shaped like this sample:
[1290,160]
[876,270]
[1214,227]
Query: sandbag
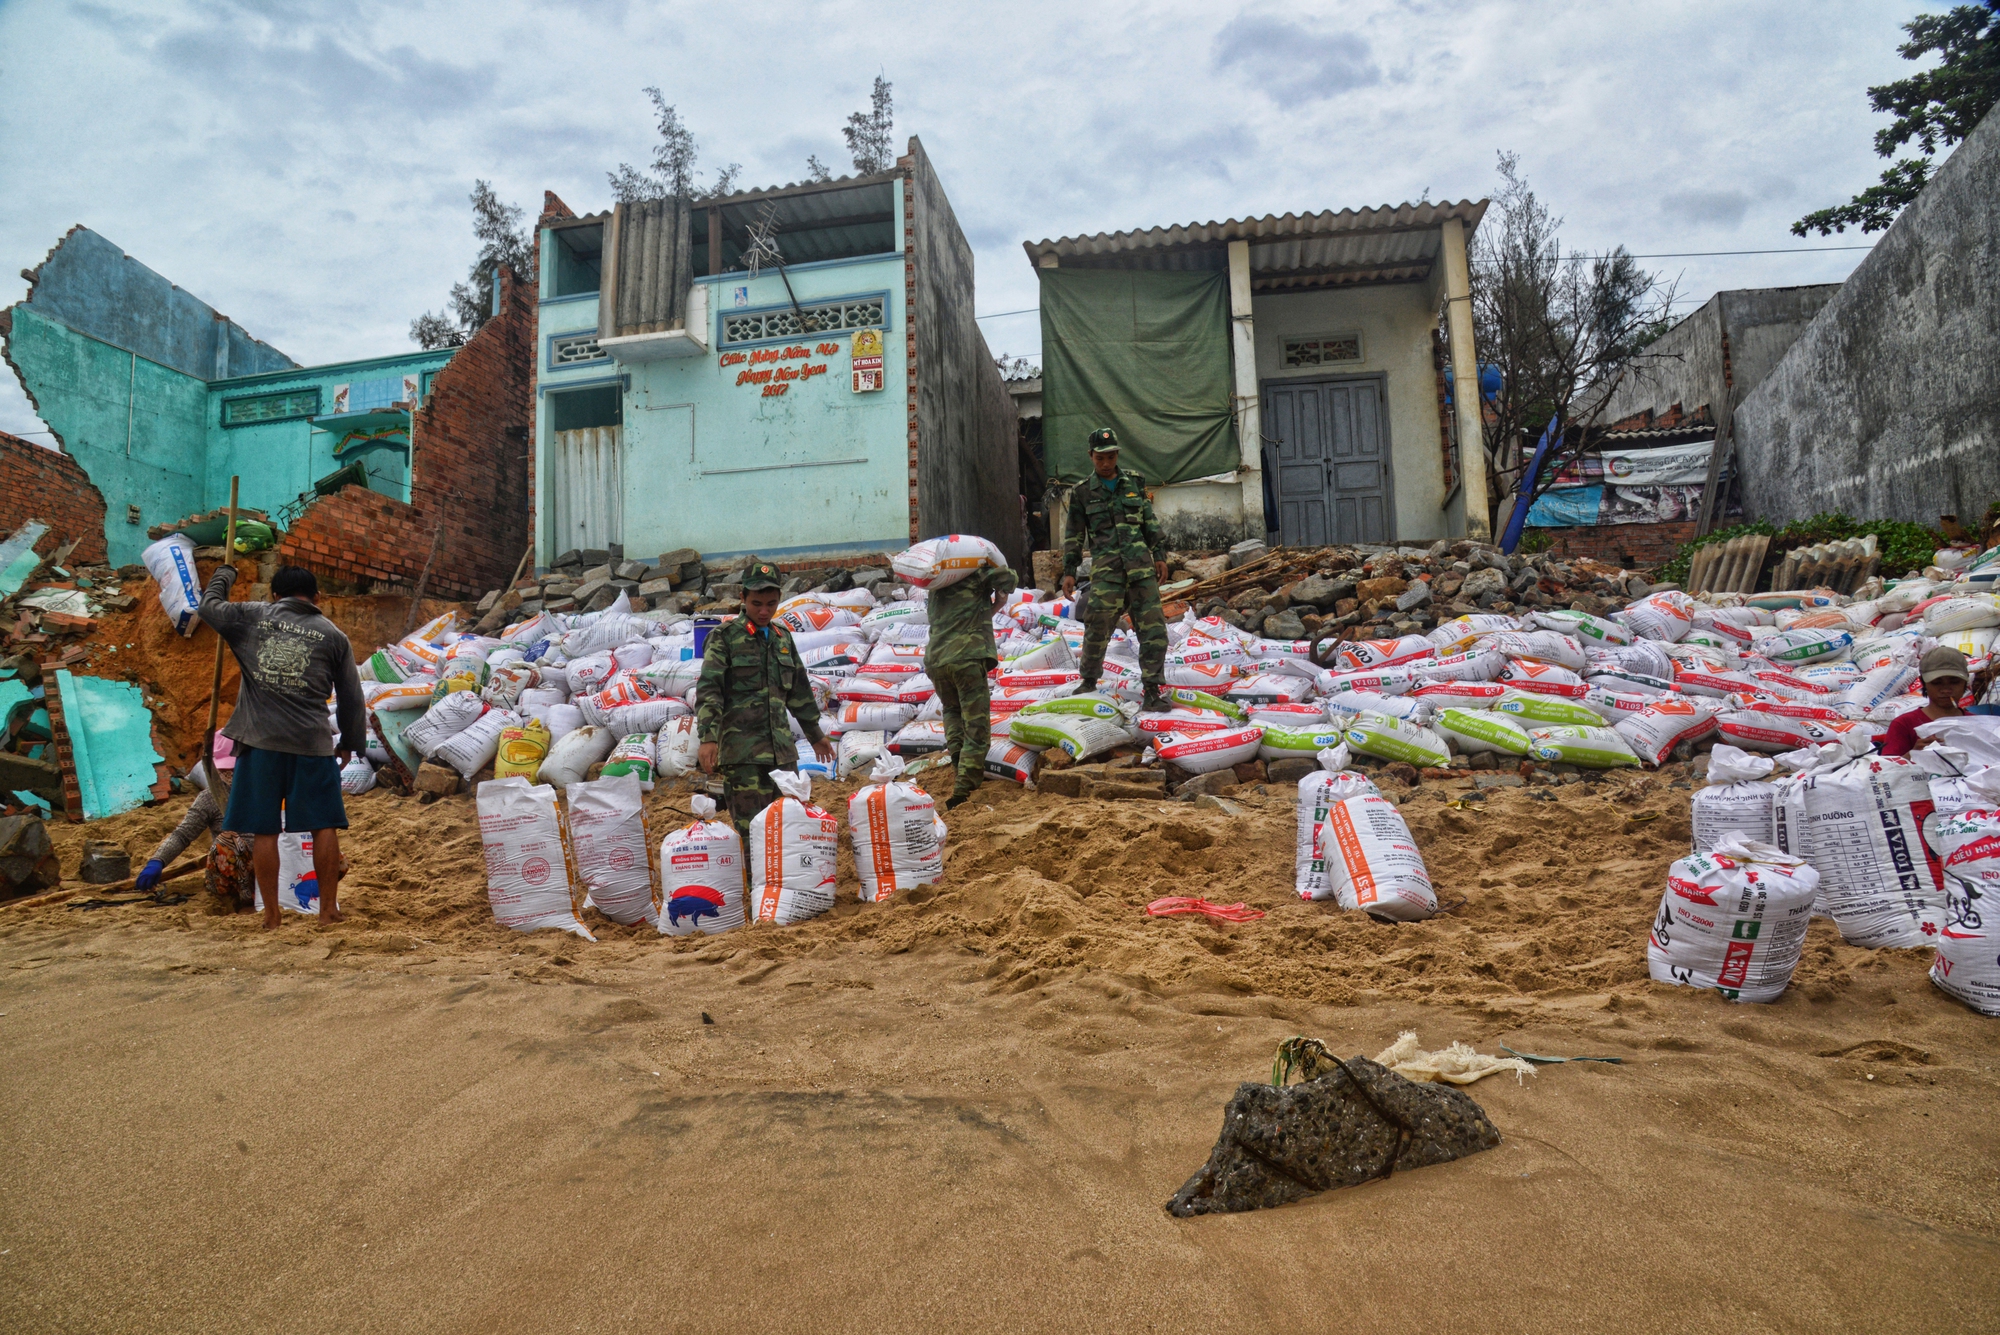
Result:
[632,757]
[1660,616]
[1582,626]
[1460,694]
[474,746]
[883,716]
[1381,681]
[1738,800]
[1290,742]
[522,748]
[506,685]
[794,848]
[1187,722]
[938,562]
[1007,761]
[1362,655]
[1968,945]
[1273,688]
[1343,707]
[1588,747]
[444,720]
[1310,715]
[587,674]
[1541,679]
[170,562]
[1803,646]
[1080,736]
[1861,826]
[896,833]
[701,875]
[1480,665]
[572,754]
[1183,698]
[604,631]
[1207,752]
[561,720]
[677,748]
[1534,709]
[1733,919]
[1956,614]
[916,739]
[298,879]
[1471,731]
[357,776]
[607,834]
[859,748]
[645,716]
[1655,731]
[1396,739]
[527,868]
[1537,646]
[1370,861]
[1319,792]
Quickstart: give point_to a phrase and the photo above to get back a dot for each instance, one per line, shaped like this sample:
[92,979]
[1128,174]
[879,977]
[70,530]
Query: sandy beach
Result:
[963,1109]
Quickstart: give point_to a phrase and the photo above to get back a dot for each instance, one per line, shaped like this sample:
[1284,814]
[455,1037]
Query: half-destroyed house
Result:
[793,372]
[1278,375]
[375,469]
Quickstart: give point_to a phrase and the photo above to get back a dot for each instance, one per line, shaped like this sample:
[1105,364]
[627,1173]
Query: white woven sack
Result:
[860,748]
[1955,614]
[896,834]
[1734,919]
[1331,783]
[604,631]
[1738,800]
[473,747]
[561,720]
[587,674]
[170,562]
[444,720]
[1860,824]
[1665,724]
[1282,742]
[298,880]
[701,875]
[1372,863]
[677,748]
[1007,761]
[607,832]
[938,562]
[357,776]
[1211,751]
[794,848]
[572,754]
[1968,945]
[1346,706]
[1660,616]
[527,868]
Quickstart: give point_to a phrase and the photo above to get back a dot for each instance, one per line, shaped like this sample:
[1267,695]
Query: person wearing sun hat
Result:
[1946,677]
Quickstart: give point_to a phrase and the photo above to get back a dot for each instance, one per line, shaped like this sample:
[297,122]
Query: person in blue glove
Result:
[204,816]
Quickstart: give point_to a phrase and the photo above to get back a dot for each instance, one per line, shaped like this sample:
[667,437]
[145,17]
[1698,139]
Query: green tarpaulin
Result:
[1146,354]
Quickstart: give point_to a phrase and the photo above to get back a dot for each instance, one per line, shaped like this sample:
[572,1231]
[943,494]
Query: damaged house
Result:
[374,469]
[793,372]
[1281,377]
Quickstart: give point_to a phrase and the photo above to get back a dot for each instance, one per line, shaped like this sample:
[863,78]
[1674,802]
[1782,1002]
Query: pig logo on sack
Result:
[694,902]
[306,889]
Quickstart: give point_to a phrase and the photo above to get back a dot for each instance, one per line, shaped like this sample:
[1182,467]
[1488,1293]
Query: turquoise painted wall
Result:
[831,467]
[134,426]
[278,460]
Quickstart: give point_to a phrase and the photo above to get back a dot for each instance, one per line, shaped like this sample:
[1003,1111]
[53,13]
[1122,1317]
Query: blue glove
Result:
[150,876]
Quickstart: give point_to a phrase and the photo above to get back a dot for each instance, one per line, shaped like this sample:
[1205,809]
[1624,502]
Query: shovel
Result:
[218,786]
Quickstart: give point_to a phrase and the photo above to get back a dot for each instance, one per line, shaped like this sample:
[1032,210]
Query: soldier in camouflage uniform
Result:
[751,675]
[1109,513]
[960,654]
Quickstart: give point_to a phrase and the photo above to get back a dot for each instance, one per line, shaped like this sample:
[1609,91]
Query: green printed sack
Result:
[1388,738]
[1090,706]
[1476,730]
[1592,748]
[1301,743]
[1081,736]
[1583,626]
[1546,710]
[1186,695]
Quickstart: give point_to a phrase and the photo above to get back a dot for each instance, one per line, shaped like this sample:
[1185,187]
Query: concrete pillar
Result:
[1249,421]
[1465,381]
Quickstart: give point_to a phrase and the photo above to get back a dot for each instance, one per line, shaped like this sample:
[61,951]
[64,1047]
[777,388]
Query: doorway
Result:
[1326,450]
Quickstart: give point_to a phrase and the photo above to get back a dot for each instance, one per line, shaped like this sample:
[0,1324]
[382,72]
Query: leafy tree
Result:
[1559,325]
[867,132]
[817,170]
[1936,108]
[671,174]
[502,240]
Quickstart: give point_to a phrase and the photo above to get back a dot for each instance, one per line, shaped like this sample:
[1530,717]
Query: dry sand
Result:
[963,1110]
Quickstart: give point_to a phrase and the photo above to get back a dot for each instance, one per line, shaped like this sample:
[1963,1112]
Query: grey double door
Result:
[1327,450]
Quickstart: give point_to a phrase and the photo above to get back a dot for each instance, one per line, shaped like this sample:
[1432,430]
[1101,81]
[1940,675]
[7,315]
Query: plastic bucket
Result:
[703,626]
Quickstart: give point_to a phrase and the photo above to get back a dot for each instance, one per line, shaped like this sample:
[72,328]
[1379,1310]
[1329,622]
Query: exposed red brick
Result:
[1633,546]
[48,485]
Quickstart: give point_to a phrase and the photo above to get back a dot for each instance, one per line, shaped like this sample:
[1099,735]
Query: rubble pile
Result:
[584,580]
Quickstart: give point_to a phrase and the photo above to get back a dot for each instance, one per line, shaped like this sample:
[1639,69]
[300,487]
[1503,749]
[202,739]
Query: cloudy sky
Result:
[303,165]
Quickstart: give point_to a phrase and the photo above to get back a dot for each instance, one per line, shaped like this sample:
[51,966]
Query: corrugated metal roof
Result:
[1390,244]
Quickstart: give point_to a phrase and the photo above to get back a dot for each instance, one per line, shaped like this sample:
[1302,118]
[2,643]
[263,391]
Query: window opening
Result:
[1323,350]
[575,350]
[577,409]
[579,254]
[280,407]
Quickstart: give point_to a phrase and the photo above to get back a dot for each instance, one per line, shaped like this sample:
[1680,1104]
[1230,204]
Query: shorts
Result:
[275,792]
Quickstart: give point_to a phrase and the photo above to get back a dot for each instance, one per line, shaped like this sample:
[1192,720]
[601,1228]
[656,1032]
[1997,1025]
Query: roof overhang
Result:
[1289,253]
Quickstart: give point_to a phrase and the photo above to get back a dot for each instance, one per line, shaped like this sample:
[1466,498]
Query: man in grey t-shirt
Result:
[287,773]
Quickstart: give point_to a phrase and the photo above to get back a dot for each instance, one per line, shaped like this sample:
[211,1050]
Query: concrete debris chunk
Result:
[28,862]
[1352,1124]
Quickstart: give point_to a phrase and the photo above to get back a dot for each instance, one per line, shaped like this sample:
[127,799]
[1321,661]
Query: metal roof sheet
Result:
[1393,243]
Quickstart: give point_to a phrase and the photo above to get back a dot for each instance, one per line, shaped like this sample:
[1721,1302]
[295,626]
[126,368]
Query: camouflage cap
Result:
[761,575]
[1103,441]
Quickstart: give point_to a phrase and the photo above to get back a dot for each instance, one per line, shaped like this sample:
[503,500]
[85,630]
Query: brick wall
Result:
[1634,546]
[469,478]
[48,485]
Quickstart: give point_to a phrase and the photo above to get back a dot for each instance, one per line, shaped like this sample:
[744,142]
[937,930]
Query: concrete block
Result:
[606,595]
[28,862]
[572,557]
[594,556]
[587,590]
[1210,802]
[563,604]
[636,571]
[1289,771]
[432,777]
[654,588]
[486,603]
[597,572]
[1063,783]
[1216,781]
[679,557]
[1487,779]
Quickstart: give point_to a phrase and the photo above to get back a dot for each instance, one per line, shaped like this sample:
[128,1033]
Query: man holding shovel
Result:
[287,773]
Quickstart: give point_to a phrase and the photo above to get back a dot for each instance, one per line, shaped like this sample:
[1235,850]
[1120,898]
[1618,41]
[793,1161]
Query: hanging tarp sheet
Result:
[1565,507]
[1146,354]
[1668,466]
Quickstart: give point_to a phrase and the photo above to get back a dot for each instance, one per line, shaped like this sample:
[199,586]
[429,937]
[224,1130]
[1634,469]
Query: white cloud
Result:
[303,164]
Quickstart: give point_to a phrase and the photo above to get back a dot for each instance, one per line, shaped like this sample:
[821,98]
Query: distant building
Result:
[160,399]
[1279,375]
[827,395]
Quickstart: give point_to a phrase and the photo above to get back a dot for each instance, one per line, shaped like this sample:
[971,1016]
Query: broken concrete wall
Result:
[964,457]
[1726,346]
[1887,407]
[45,484]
